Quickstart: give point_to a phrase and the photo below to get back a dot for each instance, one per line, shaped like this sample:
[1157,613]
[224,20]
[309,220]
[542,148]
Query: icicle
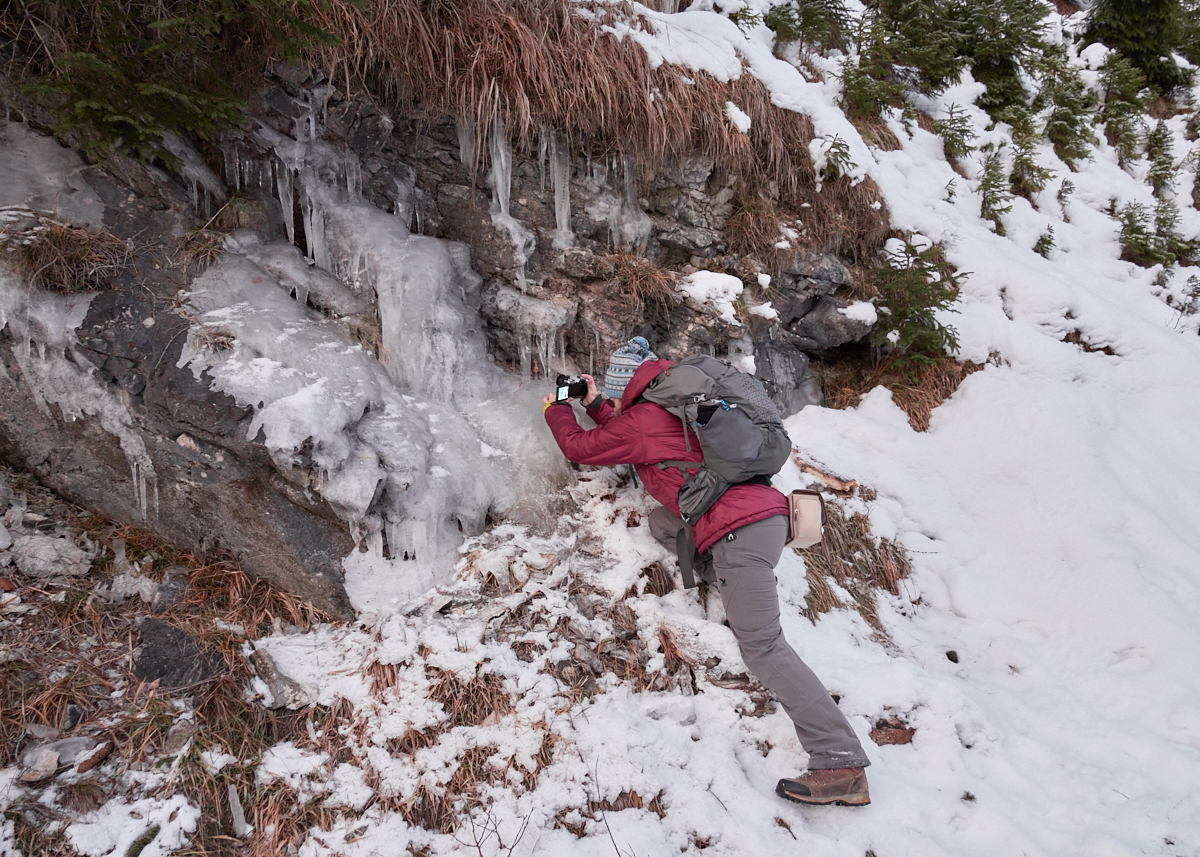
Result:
[545,145]
[523,240]
[634,226]
[229,151]
[353,177]
[283,175]
[525,352]
[501,152]
[466,140]
[560,170]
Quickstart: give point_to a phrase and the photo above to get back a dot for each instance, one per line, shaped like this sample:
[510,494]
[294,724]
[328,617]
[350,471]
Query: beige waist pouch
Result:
[806,518]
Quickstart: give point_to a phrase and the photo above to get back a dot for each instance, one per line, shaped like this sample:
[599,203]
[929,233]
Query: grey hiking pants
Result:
[742,568]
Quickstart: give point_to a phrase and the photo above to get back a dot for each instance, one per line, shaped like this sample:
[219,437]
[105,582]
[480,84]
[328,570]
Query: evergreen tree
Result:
[957,133]
[1145,32]
[1071,103]
[1162,159]
[813,23]
[1000,39]
[1124,104]
[994,189]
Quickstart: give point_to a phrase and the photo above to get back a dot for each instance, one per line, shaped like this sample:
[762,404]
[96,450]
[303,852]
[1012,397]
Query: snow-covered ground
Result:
[1051,513]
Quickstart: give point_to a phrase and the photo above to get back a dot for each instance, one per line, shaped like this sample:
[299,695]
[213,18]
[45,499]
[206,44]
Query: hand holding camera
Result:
[567,387]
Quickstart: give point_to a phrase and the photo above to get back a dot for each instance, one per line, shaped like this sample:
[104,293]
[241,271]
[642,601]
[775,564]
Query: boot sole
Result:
[860,799]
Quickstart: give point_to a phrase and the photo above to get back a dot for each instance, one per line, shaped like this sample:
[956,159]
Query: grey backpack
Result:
[741,434]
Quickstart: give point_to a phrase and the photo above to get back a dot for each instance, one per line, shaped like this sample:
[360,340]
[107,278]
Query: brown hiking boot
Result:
[845,786]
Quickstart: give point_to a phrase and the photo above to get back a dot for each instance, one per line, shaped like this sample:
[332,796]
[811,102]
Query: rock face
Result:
[112,424]
[104,415]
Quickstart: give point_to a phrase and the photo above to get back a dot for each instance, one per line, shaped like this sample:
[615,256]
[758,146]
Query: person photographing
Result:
[738,540]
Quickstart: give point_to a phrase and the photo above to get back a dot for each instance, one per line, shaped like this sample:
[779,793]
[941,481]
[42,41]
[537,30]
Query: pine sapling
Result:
[1162,160]
[957,133]
[994,189]
[812,23]
[913,286]
[1125,100]
[1071,103]
[1028,177]
[1045,243]
[1064,198]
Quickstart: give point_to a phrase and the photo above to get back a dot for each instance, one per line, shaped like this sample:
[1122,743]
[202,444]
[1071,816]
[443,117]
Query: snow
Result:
[737,116]
[863,311]
[112,830]
[716,290]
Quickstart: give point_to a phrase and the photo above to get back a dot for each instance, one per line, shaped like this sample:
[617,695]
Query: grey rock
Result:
[371,133]
[5,539]
[822,267]
[282,103]
[285,691]
[695,240]
[784,370]
[171,656]
[826,328]
[43,556]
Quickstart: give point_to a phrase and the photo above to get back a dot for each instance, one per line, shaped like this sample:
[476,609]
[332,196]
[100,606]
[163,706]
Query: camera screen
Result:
[564,393]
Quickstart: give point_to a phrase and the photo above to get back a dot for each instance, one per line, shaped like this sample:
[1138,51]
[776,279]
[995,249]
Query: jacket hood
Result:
[641,379]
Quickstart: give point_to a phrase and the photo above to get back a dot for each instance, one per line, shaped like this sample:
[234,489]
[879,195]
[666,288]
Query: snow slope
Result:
[1050,511]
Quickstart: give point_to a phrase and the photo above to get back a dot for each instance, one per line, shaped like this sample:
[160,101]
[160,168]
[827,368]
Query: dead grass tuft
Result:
[61,258]
[628,800]
[850,557]
[659,581]
[675,658]
[412,741]
[641,280]
[430,810]
[472,702]
[755,226]
[917,388]
[199,248]
[875,132]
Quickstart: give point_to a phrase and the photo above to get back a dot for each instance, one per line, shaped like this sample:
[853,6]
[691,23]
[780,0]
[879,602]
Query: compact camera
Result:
[569,387]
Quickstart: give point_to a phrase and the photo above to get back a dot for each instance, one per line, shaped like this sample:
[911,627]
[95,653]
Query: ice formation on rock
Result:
[414,445]
[500,149]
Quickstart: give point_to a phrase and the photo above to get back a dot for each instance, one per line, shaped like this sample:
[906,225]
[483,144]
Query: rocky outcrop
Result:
[112,424]
[104,414]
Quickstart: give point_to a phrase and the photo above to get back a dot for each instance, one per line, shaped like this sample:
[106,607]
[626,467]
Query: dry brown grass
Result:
[539,63]
[470,702]
[77,651]
[61,258]
[754,226]
[849,556]
[642,281]
[917,388]
[875,132]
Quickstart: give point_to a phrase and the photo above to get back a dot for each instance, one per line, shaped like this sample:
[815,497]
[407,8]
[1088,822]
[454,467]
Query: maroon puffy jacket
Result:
[645,434]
